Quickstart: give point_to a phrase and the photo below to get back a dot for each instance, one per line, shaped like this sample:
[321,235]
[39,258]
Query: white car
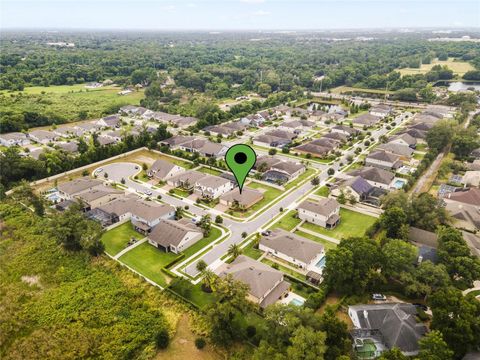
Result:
[380,297]
[148,192]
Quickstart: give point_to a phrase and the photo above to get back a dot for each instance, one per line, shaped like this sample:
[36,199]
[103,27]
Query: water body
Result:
[462,86]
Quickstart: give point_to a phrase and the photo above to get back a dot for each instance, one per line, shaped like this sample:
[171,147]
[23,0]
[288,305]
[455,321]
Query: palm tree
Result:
[209,278]
[234,250]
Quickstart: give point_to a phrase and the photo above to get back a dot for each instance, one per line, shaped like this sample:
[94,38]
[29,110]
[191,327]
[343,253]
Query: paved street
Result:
[119,171]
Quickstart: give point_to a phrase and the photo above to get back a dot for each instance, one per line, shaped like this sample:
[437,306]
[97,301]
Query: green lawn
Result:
[287,222]
[418,156]
[299,179]
[352,223]
[326,244]
[269,193]
[116,239]
[63,104]
[210,171]
[148,261]
[214,235]
[195,294]
[250,251]
[323,191]
[181,192]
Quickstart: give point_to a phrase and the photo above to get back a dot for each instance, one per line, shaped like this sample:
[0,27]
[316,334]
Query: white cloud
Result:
[252,1]
[261,13]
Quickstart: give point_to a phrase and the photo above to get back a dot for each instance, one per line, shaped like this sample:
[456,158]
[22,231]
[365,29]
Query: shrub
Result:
[200,343]
[162,339]
[251,331]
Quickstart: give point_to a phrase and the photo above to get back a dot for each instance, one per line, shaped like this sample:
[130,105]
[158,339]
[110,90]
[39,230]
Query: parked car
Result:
[148,192]
[99,170]
[421,306]
[266,233]
[379,297]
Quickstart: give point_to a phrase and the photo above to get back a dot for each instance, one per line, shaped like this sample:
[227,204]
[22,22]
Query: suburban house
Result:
[360,190]
[266,285]
[374,176]
[147,214]
[114,211]
[245,200]
[14,139]
[403,151]
[69,189]
[333,117]
[88,127]
[174,236]
[385,326]
[204,147]
[324,212]
[292,248]
[110,121]
[98,196]
[336,136]
[405,140]
[69,147]
[471,178]
[175,141]
[104,140]
[185,180]
[255,120]
[381,110]
[163,170]
[183,122]
[42,136]
[65,131]
[366,120]
[276,170]
[297,126]
[313,149]
[216,130]
[383,160]
[270,141]
[464,207]
[116,135]
[212,187]
[132,110]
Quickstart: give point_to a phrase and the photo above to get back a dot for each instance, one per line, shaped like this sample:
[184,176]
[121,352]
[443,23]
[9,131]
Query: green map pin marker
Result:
[240,159]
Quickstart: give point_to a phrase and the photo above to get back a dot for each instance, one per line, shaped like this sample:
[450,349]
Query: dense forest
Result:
[203,68]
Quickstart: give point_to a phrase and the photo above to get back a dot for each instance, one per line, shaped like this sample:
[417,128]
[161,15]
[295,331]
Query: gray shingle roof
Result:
[171,232]
[259,277]
[292,245]
[75,186]
[383,156]
[374,174]
[396,322]
[323,207]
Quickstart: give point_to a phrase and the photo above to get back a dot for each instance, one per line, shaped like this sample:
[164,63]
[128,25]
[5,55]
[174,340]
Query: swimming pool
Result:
[296,302]
[399,183]
[321,263]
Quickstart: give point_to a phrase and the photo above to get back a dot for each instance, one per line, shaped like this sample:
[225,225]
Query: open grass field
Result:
[352,223]
[148,261]
[116,239]
[458,67]
[209,171]
[288,222]
[64,104]
[347,89]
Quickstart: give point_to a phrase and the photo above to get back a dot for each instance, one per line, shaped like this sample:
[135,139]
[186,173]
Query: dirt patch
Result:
[31,280]
[182,346]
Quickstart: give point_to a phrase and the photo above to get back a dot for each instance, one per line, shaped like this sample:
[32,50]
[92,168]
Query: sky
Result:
[237,14]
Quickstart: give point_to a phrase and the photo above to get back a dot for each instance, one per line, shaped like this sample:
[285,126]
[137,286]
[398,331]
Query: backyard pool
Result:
[296,302]
[399,183]
[321,263]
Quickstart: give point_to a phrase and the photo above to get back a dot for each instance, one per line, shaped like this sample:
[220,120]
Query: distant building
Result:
[367,120]
[245,200]
[375,176]
[14,139]
[42,136]
[383,160]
